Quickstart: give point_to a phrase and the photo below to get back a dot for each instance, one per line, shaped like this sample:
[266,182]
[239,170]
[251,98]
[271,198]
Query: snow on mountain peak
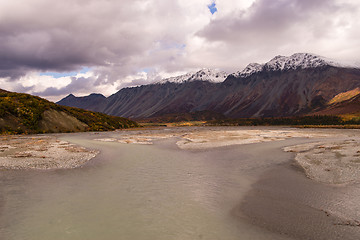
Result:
[281,63]
[249,70]
[296,61]
[204,74]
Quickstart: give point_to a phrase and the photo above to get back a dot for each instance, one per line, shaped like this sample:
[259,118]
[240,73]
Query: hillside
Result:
[348,106]
[286,93]
[24,113]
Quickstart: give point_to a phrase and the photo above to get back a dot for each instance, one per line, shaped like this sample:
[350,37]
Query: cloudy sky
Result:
[53,48]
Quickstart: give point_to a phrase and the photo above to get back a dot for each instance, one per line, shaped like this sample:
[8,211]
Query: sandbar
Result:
[41,152]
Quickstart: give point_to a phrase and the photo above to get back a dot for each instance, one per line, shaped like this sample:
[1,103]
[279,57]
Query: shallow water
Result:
[139,192]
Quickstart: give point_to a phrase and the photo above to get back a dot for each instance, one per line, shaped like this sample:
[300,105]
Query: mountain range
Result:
[300,84]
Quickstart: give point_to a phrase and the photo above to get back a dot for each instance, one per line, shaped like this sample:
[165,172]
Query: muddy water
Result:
[144,192]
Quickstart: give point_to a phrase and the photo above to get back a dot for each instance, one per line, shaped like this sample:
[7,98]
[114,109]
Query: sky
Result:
[54,48]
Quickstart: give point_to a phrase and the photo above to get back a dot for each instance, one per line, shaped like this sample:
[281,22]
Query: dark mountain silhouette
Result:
[95,102]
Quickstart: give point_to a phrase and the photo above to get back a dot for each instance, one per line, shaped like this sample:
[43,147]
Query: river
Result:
[140,192]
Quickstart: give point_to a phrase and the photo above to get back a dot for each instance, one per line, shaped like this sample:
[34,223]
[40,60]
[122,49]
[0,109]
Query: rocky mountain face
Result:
[284,86]
[286,93]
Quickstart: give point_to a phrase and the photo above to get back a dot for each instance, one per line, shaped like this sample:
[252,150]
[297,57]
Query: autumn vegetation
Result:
[23,113]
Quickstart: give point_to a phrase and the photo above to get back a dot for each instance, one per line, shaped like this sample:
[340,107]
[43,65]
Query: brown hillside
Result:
[349,106]
[24,113]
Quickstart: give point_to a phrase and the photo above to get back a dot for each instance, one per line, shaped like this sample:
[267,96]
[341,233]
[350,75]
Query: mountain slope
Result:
[285,86]
[133,102]
[285,93]
[24,113]
[348,106]
[345,96]
[156,100]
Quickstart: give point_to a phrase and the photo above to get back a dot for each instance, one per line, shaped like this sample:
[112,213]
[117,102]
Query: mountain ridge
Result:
[281,63]
[205,74]
[284,86]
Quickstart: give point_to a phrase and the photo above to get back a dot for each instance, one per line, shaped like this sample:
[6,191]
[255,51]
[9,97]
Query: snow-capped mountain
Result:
[281,63]
[205,74]
[303,83]
[249,70]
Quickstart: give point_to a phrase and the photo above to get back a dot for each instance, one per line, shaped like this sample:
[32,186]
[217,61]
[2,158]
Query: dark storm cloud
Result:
[66,35]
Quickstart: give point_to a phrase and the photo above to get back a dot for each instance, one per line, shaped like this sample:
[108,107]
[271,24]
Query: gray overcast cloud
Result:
[129,42]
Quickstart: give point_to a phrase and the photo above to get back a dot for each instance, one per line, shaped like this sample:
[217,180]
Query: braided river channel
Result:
[161,192]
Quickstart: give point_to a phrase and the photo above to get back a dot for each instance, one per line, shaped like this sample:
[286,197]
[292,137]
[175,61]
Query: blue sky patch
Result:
[65,74]
[146,70]
[212,8]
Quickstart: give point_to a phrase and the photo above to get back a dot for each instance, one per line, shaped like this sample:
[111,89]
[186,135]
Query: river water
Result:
[140,192]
